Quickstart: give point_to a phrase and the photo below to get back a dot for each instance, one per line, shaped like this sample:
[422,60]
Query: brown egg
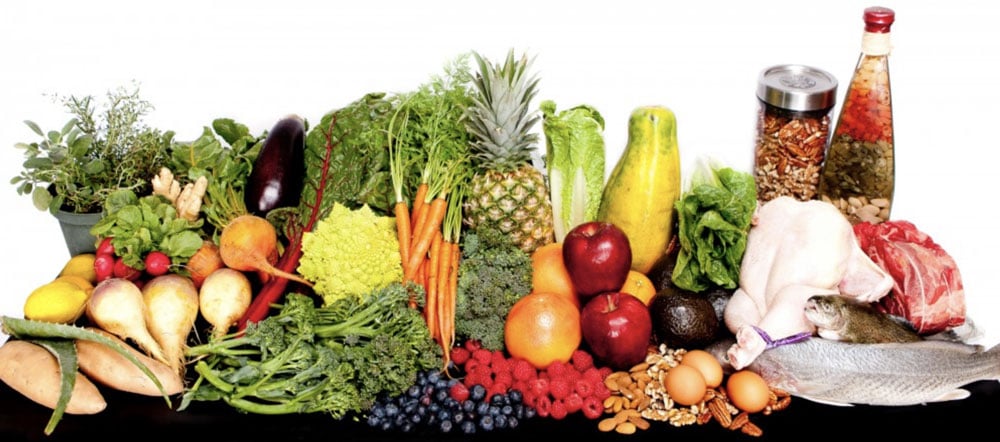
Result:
[685,385]
[709,367]
[748,391]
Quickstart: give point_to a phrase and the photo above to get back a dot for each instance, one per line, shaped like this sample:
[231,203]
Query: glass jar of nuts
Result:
[858,176]
[793,128]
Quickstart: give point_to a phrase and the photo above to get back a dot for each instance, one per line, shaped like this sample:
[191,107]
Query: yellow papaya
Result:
[640,194]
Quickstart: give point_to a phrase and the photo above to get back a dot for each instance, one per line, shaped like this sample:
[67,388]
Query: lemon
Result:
[81,265]
[80,281]
[58,301]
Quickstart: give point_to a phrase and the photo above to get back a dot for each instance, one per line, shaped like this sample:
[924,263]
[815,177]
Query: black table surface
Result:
[141,418]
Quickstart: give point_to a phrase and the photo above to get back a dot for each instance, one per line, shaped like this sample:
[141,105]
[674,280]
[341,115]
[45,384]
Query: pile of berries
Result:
[439,403]
[556,391]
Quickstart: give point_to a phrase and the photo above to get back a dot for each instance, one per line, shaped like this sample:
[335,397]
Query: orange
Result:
[542,328]
[639,285]
[549,274]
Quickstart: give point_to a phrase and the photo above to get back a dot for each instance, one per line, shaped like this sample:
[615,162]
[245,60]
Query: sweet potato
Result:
[108,367]
[34,372]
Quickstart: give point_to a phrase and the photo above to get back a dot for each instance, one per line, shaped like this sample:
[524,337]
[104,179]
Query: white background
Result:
[256,61]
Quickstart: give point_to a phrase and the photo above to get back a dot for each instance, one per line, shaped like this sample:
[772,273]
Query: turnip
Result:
[172,308]
[224,297]
[116,305]
[247,243]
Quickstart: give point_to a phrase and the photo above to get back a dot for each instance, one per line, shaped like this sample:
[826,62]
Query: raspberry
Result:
[459,355]
[543,406]
[573,403]
[523,370]
[557,369]
[593,407]
[601,391]
[503,378]
[540,387]
[605,371]
[471,365]
[483,355]
[583,387]
[582,360]
[472,345]
[592,375]
[558,410]
[559,388]
[501,366]
[459,392]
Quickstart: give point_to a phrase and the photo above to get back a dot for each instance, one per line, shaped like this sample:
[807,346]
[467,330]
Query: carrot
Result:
[431,308]
[419,200]
[403,231]
[444,266]
[425,236]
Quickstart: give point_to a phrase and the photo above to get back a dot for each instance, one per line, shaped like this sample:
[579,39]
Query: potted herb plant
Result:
[71,171]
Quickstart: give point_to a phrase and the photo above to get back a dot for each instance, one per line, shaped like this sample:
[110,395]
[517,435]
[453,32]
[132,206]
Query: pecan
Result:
[718,410]
[739,421]
[751,429]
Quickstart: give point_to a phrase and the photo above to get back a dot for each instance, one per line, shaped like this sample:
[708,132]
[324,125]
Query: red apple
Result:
[598,257]
[617,327]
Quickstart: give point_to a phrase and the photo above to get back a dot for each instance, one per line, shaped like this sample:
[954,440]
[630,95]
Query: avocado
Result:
[683,319]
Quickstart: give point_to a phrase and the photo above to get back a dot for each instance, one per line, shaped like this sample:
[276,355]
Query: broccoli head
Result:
[494,273]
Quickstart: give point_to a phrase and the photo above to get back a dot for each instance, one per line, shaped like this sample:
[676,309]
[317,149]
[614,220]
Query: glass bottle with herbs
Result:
[859,171]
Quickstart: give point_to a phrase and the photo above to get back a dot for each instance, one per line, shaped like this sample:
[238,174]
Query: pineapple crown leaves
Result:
[499,118]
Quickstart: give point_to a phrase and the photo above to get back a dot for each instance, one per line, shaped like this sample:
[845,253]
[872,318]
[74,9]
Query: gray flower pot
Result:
[76,231]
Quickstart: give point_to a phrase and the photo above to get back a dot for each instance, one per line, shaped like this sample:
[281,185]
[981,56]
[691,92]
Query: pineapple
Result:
[507,192]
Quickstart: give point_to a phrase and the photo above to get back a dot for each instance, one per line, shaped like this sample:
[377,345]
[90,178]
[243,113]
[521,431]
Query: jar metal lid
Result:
[797,87]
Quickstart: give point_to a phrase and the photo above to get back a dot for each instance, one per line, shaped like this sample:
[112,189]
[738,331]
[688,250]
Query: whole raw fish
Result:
[842,373]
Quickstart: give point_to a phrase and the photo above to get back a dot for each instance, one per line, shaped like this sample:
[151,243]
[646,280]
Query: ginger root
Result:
[186,200]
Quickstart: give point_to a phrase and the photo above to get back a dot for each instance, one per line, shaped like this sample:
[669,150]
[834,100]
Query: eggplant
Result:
[279,170]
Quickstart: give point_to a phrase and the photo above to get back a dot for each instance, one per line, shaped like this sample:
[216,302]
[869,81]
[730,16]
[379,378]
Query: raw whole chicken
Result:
[795,249]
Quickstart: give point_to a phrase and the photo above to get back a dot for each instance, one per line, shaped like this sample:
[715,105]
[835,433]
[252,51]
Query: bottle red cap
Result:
[878,19]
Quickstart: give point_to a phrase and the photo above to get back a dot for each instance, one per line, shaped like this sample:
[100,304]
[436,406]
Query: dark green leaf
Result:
[230,130]
[65,354]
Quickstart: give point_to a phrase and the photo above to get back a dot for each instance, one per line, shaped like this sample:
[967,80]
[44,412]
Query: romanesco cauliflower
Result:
[350,253]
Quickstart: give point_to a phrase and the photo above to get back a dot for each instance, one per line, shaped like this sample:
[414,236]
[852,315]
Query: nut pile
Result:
[861,209]
[638,396]
[789,154]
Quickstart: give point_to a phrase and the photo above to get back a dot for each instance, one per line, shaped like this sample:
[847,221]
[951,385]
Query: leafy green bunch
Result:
[95,153]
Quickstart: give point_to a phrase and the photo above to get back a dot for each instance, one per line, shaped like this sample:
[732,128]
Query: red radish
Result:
[105,247]
[104,266]
[247,242]
[157,263]
[125,271]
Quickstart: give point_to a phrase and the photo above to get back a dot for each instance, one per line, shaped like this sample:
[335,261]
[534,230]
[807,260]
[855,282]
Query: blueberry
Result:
[477,392]
[441,395]
[373,420]
[451,403]
[513,422]
[458,417]
[413,391]
[482,408]
[469,427]
[507,410]
[486,423]
[433,377]
[468,405]
[529,412]
[497,399]
[406,427]
[500,421]
[386,425]
[391,410]
[445,426]
[515,396]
